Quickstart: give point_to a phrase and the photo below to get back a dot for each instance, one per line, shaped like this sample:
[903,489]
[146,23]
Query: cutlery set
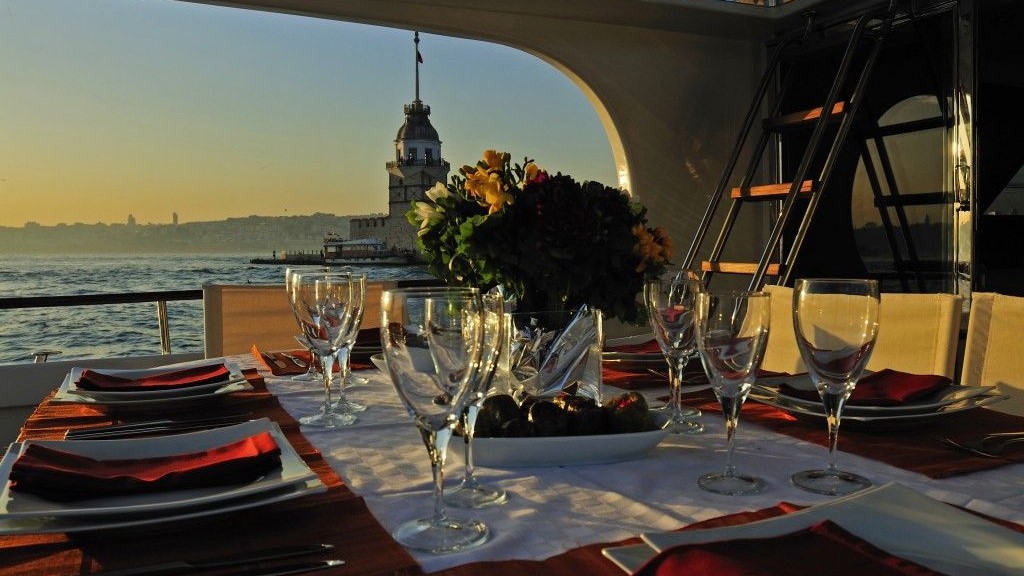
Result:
[239,560]
[990,445]
[151,427]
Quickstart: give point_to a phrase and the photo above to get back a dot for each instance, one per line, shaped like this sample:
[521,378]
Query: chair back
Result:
[917,333]
[994,347]
[237,316]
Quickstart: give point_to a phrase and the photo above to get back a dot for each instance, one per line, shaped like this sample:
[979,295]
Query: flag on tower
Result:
[419,57]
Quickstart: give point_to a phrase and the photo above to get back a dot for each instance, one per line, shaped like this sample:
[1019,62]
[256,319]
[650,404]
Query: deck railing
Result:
[161,298]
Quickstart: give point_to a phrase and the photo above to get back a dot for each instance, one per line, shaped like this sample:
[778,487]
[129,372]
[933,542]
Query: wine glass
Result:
[732,332]
[343,405]
[670,306]
[432,342]
[836,324]
[470,492]
[311,374]
[326,304]
[348,379]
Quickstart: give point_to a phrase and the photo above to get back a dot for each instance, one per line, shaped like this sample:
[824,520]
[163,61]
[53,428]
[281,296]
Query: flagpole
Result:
[416,40]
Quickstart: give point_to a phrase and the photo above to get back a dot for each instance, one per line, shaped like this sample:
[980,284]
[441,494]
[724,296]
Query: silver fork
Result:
[991,446]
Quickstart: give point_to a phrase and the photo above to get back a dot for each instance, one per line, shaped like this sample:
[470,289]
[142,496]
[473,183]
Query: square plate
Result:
[895,518]
[64,394]
[234,375]
[15,504]
[932,402]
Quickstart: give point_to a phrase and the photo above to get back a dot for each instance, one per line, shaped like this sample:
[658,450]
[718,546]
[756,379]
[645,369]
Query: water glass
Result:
[732,332]
[432,342]
[836,324]
[311,375]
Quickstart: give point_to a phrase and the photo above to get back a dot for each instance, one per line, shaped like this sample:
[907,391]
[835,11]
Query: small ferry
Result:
[364,251]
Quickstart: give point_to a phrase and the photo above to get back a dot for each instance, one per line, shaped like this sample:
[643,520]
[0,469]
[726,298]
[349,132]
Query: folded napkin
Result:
[281,363]
[170,380]
[825,548]
[883,388]
[649,347]
[65,477]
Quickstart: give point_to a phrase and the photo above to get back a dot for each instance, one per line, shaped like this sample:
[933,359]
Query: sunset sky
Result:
[149,107]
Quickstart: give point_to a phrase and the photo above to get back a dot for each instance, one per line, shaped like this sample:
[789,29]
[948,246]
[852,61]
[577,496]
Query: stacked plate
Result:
[636,362]
[71,390]
[949,400]
[23,512]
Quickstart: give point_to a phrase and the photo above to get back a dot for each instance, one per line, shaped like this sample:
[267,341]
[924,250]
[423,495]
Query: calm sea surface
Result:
[124,329]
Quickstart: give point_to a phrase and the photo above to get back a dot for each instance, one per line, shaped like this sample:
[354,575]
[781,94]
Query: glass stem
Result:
[313,363]
[343,357]
[437,447]
[468,424]
[833,404]
[675,378]
[327,365]
[731,409]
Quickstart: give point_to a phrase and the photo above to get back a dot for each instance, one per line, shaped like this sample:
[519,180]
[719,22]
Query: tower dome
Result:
[417,125]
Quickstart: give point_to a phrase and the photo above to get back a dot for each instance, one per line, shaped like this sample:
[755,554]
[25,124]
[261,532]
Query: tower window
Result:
[411,154]
[428,154]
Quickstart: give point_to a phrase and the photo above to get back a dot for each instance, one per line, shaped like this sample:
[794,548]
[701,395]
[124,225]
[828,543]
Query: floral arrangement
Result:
[552,241]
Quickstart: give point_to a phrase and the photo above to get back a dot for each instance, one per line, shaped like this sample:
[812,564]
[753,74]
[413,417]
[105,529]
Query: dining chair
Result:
[236,316]
[917,333]
[994,347]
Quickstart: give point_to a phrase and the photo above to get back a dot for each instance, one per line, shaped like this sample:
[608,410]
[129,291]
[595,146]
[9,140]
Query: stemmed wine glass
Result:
[836,324]
[432,342]
[326,304]
[670,306]
[732,332]
[343,405]
[311,374]
[470,492]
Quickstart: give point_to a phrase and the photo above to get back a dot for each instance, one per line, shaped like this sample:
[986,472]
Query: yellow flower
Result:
[488,189]
[532,171]
[653,246]
[495,160]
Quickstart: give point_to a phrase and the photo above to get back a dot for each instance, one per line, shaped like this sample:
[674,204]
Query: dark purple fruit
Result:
[518,428]
[548,419]
[589,421]
[494,413]
[627,413]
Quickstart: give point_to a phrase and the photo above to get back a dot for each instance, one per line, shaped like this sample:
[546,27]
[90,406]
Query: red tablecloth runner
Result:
[337,517]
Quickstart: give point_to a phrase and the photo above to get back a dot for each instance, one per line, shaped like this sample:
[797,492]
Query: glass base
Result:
[731,485]
[308,377]
[686,423]
[441,536]
[354,380]
[829,482]
[328,420]
[475,496]
[346,406]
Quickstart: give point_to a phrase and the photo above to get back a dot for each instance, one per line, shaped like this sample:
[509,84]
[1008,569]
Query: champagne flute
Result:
[836,324]
[670,308]
[432,342]
[732,332]
[470,492]
[326,304]
[311,374]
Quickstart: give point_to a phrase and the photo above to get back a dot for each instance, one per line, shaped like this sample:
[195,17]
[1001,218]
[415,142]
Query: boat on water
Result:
[339,252]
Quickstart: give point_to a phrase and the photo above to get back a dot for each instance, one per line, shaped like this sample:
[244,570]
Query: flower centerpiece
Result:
[551,241]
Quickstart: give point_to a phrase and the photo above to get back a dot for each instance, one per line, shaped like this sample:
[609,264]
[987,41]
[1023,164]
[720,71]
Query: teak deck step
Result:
[736,267]
[771,191]
[795,119]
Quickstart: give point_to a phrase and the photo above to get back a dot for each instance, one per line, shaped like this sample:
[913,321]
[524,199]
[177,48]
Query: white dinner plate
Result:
[565,450]
[234,375]
[900,419]
[894,518]
[932,402]
[14,504]
[64,394]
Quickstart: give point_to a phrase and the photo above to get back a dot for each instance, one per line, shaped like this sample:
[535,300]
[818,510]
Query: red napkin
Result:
[195,376]
[649,347]
[65,477]
[883,388]
[824,548]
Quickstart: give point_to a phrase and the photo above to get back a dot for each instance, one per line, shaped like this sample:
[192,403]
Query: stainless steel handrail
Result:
[160,297]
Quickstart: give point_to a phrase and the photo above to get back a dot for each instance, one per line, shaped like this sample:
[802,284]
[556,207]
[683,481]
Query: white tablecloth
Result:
[551,510]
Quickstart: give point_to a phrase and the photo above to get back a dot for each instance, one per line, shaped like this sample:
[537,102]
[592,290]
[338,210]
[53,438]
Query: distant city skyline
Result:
[156,107]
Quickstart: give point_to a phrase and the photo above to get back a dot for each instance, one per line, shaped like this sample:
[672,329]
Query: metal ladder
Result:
[868,33]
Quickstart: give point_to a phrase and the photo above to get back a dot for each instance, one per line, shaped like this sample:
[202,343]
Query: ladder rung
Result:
[803,117]
[737,267]
[770,191]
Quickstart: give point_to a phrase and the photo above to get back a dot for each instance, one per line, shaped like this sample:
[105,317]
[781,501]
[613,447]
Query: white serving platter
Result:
[565,450]
[16,505]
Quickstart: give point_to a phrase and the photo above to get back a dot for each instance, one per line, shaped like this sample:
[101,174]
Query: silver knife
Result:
[297,568]
[240,559]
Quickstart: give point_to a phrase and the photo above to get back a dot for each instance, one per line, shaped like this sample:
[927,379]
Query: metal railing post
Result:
[165,332]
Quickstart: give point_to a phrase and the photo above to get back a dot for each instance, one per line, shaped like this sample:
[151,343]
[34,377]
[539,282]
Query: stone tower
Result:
[416,167]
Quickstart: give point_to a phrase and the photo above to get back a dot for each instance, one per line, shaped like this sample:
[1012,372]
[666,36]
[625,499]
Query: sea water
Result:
[125,329]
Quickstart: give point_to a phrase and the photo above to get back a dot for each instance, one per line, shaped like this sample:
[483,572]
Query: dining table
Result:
[557,518]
